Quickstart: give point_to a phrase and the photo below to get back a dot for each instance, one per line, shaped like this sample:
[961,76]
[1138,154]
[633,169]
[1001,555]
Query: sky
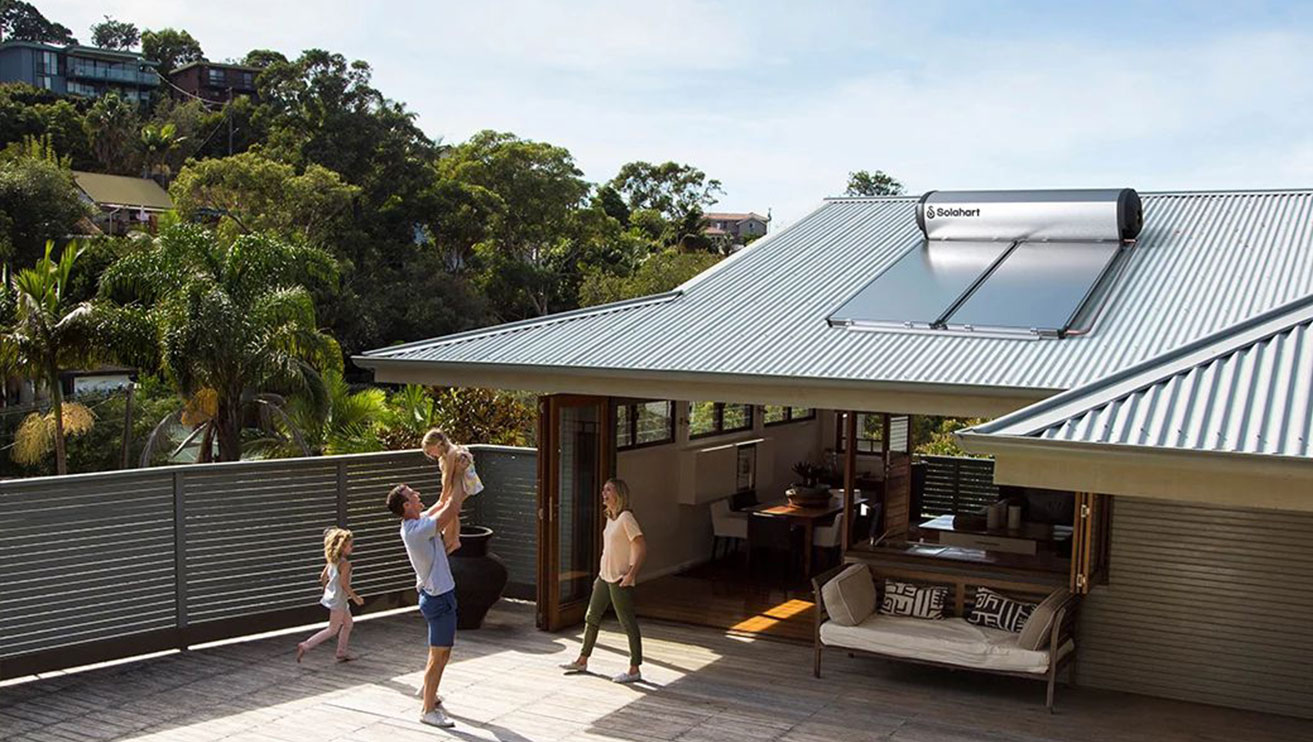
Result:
[781,100]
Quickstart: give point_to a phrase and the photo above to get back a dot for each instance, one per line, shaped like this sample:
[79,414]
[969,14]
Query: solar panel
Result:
[1040,286]
[918,289]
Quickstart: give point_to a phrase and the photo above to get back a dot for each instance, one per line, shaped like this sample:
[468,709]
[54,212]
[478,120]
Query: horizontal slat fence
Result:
[96,566]
[956,484]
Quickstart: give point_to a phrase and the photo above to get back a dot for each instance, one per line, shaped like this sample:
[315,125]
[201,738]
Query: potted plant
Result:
[810,491]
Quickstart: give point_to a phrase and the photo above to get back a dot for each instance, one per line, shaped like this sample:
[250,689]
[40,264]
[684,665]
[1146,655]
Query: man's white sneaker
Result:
[627,677]
[436,718]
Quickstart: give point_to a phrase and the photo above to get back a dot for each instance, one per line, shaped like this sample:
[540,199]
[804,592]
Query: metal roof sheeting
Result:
[1248,390]
[1204,261]
[121,190]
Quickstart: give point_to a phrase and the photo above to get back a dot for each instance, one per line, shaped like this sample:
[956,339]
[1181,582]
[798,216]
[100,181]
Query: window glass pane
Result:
[776,414]
[802,413]
[701,418]
[622,426]
[654,422]
[738,416]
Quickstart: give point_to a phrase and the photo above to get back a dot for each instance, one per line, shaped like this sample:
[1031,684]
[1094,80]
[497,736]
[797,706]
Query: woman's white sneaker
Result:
[627,677]
[436,718]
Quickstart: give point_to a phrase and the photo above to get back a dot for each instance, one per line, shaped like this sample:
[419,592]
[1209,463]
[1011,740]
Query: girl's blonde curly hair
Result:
[335,540]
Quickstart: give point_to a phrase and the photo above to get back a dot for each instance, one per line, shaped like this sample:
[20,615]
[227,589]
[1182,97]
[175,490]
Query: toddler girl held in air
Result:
[336,579]
[438,447]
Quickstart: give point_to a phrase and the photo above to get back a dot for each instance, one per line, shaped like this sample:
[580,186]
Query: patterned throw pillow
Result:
[999,612]
[906,599]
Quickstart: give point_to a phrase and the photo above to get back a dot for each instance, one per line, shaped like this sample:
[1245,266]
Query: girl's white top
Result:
[334,596]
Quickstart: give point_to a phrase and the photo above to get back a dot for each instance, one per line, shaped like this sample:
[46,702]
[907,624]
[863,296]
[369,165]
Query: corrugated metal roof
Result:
[1204,261]
[121,190]
[1245,390]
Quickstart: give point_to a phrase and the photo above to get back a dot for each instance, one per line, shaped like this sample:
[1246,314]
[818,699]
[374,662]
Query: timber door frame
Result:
[554,614]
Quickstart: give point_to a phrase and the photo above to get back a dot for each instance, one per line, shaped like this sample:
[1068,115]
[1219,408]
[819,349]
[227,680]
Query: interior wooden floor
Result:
[723,595]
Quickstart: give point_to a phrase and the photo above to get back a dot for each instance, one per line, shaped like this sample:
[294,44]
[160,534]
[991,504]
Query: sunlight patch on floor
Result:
[772,616]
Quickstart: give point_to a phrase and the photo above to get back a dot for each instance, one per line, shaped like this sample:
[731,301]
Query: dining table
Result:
[806,517]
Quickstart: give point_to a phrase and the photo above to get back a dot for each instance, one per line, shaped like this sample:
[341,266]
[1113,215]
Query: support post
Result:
[849,476]
[180,555]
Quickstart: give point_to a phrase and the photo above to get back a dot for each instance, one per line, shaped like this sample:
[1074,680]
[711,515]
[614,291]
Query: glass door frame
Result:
[553,612]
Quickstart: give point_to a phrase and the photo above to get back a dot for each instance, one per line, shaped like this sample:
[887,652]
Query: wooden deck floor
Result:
[503,686]
[719,596]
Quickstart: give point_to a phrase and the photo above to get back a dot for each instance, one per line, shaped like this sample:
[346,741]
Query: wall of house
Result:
[673,485]
[1204,604]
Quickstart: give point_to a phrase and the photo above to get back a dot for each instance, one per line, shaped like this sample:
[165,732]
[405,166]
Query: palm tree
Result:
[232,322]
[157,143]
[112,126]
[51,333]
[348,423]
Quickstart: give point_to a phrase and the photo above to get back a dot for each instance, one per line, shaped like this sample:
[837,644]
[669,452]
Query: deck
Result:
[503,686]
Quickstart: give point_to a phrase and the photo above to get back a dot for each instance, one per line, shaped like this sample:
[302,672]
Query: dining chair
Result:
[774,548]
[829,539]
[728,525]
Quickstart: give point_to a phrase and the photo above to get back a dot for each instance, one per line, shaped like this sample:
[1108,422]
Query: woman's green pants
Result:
[622,599]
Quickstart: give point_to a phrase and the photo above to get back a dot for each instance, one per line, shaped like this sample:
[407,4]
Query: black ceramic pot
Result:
[480,576]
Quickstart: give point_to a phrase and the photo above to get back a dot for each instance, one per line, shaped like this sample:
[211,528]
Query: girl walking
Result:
[623,553]
[336,579]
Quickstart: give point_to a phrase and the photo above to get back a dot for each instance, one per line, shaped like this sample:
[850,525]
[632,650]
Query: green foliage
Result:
[264,195]
[113,127]
[39,201]
[878,183]
[52,333]
[233,319]
[112,34]
[346,422]
[171,48]
[20,21]
[673,189]
[934,435]
[661,272]
[157,143]
[467,415]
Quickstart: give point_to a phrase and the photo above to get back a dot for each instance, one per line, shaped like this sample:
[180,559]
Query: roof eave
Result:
[909,397]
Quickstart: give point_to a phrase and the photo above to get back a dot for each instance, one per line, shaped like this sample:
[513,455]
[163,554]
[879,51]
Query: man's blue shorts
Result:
[440,612]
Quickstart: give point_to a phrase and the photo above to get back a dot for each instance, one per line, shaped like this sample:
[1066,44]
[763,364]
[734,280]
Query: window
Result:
[248,79]
[217,77]
[776,415]
[870,432]
[714,418]
[644,424]
[47,63]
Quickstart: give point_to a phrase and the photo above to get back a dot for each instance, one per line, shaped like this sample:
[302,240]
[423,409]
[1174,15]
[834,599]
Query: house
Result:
[1147,385]
[214,81]
[123,203]
[738,228]
[81,71]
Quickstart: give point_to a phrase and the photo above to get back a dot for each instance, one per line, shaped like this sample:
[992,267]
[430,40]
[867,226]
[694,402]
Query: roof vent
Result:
[1034,263]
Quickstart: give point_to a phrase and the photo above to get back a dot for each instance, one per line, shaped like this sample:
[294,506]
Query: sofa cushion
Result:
[952,641]
[998,611]
[850,596]
[1035,634]
[906,599]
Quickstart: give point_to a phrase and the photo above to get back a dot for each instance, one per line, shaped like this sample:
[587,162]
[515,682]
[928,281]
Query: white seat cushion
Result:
[952,641]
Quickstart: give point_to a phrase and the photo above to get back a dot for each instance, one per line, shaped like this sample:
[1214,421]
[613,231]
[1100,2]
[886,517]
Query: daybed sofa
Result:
[848,618]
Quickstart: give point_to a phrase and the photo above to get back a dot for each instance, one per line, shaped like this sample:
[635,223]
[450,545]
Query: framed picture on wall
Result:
[747,468]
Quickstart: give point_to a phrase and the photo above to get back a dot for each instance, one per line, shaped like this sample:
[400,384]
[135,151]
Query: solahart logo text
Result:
[943,211]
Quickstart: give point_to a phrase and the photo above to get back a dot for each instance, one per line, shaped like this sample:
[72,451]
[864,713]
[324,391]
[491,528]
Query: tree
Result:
[673,189]
[346,422]
[488,416]
[878,183]
[20,21]
[661,272]
[539,236]
[114,130]
[157,143]
[171,48]
[265,195]
[233,320]
[112,34]
[52,334]
[39,201]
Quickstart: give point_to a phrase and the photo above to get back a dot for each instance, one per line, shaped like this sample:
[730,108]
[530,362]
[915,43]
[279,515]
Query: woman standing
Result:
[623,552]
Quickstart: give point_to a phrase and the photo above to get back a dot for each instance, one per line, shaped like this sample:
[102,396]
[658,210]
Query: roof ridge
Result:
[1227,341]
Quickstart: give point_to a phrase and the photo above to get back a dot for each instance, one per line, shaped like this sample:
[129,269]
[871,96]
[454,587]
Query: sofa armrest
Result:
[1064,623]
[818,582]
